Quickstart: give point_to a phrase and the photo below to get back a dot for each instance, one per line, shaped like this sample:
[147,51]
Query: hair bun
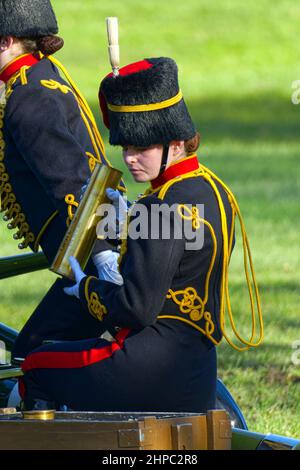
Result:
[48,45]
[191,145]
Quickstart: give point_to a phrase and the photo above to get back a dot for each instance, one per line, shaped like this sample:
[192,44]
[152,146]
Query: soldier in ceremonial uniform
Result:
[165,306]
[49,146]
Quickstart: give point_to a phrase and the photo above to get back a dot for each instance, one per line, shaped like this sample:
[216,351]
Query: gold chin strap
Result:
[210,176]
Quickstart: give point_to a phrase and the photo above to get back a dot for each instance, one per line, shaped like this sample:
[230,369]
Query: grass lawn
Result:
[237,63]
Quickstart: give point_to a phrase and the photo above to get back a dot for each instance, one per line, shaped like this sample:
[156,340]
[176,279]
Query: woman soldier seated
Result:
[165,305]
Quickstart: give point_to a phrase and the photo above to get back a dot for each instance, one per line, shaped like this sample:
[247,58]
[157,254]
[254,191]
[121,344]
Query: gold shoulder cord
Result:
[88,119]
[94,132]
[227,246]
[210,176]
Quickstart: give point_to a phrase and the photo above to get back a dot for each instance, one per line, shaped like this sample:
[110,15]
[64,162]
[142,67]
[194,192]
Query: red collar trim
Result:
[14,66]
[179,168]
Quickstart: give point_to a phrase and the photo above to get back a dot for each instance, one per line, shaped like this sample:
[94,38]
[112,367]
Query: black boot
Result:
[37,404]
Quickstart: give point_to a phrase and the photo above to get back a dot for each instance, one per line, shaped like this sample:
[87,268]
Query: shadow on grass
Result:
[262,117]
[270,286]
[30,297]
[272,353]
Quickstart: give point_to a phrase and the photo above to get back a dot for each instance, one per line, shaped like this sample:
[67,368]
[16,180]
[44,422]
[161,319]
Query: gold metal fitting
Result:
[42,415]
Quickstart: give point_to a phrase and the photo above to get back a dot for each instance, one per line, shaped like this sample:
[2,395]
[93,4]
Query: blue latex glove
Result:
[79,275]
[120,205]
[113,228]
[83,189]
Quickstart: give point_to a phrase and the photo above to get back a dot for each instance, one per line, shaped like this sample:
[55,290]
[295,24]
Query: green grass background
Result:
[237,62]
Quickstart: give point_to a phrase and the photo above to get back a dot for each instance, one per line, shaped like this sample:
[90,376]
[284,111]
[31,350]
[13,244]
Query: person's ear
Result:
[178,147]
[6,42]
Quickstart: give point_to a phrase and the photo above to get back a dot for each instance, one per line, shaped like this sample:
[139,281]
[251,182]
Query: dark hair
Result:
[47,45]
[191,145]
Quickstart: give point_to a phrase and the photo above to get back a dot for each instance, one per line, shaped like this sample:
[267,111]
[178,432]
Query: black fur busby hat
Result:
[27,18]
[143,105]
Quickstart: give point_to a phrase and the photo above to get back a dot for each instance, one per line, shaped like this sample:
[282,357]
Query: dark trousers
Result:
[140,372]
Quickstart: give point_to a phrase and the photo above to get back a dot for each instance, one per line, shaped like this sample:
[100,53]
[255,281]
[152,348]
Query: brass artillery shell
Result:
[81,235]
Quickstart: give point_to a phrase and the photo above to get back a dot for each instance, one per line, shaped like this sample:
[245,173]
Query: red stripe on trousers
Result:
[69,360]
